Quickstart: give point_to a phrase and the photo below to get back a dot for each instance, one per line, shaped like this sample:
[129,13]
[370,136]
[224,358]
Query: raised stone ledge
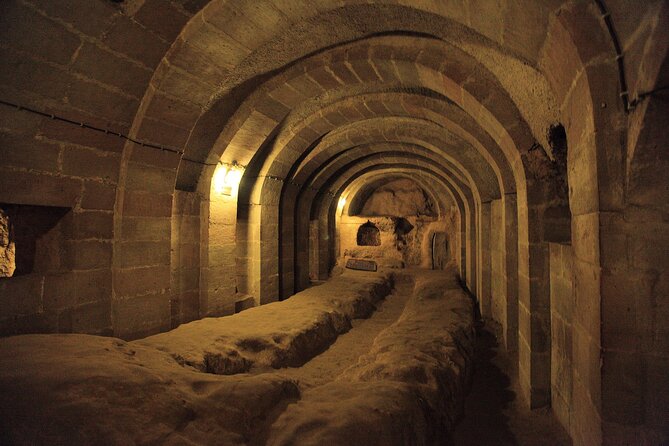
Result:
[276,335]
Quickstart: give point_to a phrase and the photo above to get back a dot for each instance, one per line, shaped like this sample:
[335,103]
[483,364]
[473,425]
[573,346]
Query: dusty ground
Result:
[282,374]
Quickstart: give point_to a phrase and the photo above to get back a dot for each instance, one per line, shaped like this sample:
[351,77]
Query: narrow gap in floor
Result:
[349,346]
[494,413]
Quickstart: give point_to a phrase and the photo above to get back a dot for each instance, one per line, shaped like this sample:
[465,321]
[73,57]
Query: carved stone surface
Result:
[361,264]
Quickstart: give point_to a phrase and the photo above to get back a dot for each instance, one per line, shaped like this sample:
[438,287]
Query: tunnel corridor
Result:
[176,174]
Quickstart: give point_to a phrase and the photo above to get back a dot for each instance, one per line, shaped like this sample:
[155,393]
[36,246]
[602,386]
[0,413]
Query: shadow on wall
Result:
[25,249]
[484,421]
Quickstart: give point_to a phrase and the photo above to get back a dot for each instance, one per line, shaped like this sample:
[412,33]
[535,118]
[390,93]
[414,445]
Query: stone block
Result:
[38,189]
[39,35]
[138,281]
[93,285]
[585,427]
[560,60]
[103,102]
[64,132]
[28,81]
[86,163]
[87,254]
[132,39]
[84,16]
[135,254]
[59,291]
[150,179]
[189,306]
[141,316]
[189,254]
[623,387]
[586,362]
[92,318]
[99,64]
[656,395]
[145,229]
[620,294]
[188,230]
[163,134]
[162,17]
[98,196]
[150,156]
[587,297]
[19,122]
[91,225]
[648,251]
[29,324]
[21,295]
[187,279]
[343,74]
[28,153]
[583,193]
[173,111]
[146,204]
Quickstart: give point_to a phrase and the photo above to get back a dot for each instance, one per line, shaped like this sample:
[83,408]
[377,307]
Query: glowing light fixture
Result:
[342,202]
[227,178]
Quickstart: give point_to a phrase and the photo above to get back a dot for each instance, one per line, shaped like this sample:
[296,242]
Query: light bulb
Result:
[233,177]
[219,179]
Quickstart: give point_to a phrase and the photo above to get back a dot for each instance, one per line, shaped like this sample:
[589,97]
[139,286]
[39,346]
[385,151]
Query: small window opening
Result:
[369,235]
[28,241]
[7,246]
[557,139]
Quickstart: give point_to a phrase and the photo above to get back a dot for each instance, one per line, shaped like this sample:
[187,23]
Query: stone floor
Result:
[494,412]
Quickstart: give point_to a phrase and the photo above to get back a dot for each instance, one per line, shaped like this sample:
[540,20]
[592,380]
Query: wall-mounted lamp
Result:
[227,178]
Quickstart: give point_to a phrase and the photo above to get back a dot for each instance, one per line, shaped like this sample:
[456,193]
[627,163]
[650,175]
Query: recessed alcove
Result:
[28,229]
[368,235]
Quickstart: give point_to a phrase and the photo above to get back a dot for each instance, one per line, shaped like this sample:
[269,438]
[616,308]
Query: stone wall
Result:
[562,308]
[411,249]
[185,262]
[62,281]
[497,265]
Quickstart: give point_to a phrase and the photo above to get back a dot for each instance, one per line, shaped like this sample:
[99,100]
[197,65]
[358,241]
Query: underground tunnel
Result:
[341,222]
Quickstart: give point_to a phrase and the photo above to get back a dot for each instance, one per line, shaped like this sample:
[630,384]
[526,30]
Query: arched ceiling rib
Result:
[400,66]
[330,186]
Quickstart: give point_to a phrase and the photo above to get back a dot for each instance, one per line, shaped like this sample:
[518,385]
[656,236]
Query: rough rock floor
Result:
[494,414]
[281,374]
[349,346]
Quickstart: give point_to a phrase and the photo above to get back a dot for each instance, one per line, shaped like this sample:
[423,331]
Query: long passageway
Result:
[175,175]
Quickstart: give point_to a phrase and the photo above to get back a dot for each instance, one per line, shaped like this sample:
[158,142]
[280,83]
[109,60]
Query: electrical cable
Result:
[149,145]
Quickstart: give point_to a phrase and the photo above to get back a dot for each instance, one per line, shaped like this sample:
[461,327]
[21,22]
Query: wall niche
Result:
[369,235]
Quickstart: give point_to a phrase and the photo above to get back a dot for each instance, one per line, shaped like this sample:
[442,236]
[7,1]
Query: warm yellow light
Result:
[233,177]
[342,202]
[226,179]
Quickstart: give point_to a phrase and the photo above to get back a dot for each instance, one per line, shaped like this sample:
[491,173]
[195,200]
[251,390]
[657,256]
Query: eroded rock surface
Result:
[79,389]
[407,388]
[280,334]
